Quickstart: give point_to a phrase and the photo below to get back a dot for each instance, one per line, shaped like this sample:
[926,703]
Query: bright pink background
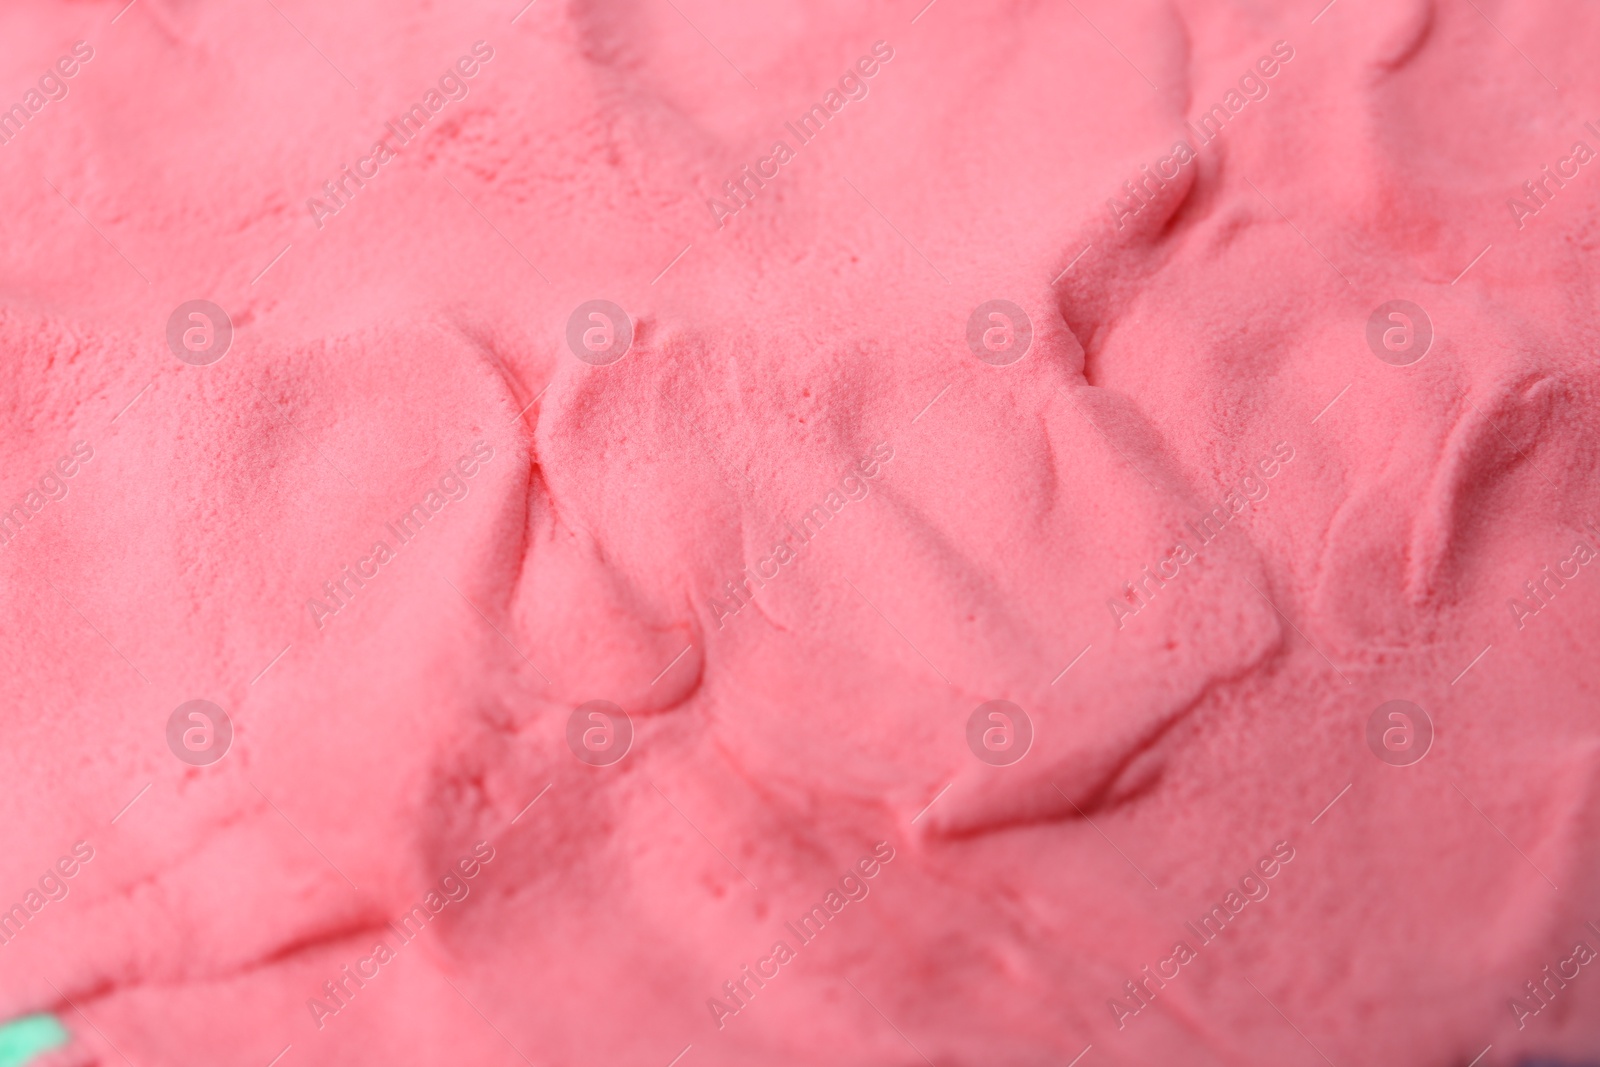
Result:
[1175,349]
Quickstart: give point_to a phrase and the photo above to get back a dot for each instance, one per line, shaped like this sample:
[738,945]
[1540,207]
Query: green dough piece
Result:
[23,1039]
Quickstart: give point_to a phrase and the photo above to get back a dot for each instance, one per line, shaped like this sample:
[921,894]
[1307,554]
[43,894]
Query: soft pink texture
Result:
[776,353]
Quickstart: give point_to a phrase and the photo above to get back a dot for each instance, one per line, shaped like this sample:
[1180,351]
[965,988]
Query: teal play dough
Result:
[21,1040]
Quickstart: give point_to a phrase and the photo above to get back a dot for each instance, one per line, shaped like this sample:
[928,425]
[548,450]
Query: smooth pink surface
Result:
[1176,350]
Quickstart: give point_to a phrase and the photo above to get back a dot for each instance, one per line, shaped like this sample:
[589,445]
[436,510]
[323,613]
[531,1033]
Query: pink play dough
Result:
[642,435]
